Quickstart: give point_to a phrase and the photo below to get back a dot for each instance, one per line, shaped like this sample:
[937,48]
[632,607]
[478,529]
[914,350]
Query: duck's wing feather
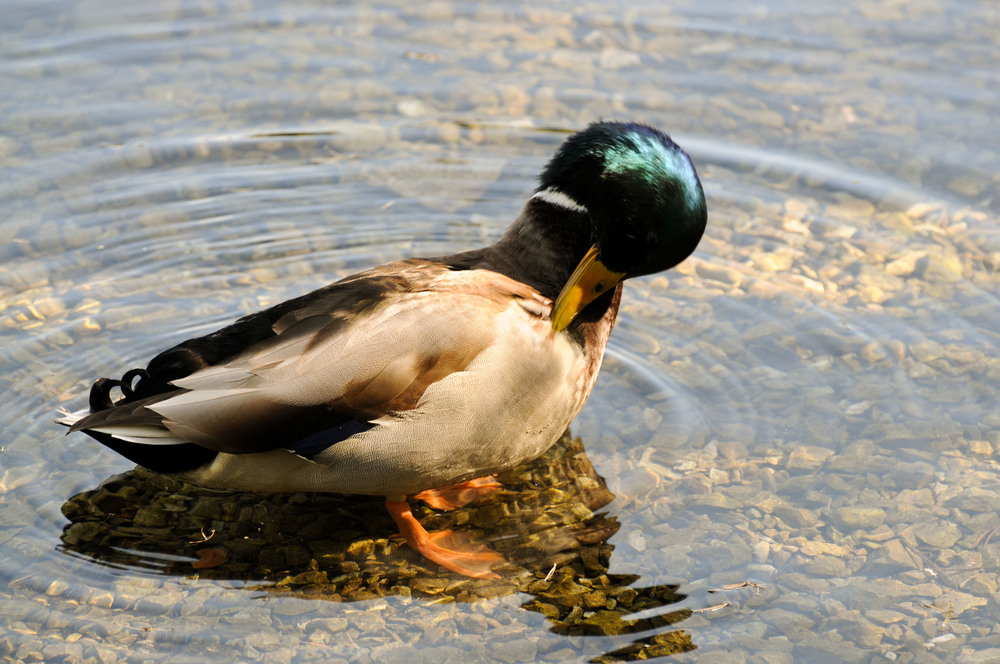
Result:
[339,357]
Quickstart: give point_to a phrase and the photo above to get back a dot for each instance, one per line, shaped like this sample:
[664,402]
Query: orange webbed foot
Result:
[449,549]
[459,495]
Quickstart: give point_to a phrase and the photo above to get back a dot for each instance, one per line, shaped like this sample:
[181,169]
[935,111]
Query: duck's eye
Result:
[599,287]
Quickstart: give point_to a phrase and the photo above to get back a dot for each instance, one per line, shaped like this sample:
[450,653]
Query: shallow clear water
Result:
[808,404]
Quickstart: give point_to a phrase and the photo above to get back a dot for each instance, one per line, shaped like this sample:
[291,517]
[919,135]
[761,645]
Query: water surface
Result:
[789,455]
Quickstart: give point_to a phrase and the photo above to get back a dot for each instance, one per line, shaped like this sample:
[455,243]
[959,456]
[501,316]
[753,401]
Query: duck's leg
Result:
[459,495]
[448,549]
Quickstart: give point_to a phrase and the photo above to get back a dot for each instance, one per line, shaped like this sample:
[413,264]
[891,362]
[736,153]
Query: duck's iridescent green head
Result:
[645,201]
[646,205]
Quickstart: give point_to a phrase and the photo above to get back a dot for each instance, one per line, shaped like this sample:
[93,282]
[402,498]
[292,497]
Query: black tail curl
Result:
[100,393]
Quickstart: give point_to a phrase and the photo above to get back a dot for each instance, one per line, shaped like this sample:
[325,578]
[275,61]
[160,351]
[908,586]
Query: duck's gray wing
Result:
[337,358]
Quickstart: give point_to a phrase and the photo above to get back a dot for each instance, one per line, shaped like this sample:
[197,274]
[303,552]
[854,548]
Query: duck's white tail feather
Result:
[68,418]
[144,435]
[132,433]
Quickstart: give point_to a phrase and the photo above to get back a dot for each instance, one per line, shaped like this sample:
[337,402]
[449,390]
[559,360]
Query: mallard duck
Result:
[421,374]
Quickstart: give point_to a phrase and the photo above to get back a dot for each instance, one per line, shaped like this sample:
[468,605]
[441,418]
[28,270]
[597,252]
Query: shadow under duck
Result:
[421,376]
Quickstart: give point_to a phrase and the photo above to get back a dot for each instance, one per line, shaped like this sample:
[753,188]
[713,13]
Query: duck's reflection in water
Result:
[545,522]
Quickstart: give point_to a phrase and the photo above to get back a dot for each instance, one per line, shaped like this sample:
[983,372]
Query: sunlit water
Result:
[808,404]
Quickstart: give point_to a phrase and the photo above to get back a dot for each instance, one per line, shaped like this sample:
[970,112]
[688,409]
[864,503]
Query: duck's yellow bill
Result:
[589,280]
